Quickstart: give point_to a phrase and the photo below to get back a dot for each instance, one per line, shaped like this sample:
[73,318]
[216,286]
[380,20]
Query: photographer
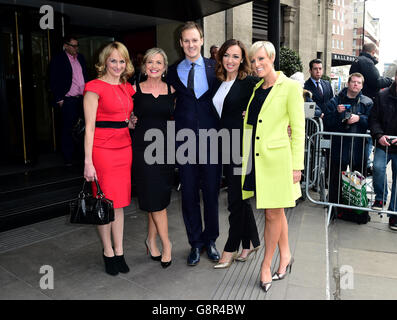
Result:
[383,122]
[347,113]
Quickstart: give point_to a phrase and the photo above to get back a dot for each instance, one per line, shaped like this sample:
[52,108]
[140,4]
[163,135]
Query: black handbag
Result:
[87,209]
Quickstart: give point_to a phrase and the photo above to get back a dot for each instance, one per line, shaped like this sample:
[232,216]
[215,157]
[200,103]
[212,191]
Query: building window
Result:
[337,14]
[334,14]
[337,44]
[341,44]
[333,29]
[343,3]
[333,43]
[342,32]
[337,29]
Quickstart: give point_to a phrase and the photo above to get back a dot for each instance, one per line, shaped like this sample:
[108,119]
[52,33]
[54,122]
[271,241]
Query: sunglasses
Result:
[72,45]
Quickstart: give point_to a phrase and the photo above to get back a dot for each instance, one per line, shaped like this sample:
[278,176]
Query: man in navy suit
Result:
[193,79]
[68,76]
[321,89]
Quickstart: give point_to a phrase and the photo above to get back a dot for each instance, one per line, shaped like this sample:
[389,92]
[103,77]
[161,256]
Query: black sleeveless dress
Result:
[152,176]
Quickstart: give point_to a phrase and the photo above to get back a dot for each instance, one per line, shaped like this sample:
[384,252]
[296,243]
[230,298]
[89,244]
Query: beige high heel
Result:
[225,265]
[242,259]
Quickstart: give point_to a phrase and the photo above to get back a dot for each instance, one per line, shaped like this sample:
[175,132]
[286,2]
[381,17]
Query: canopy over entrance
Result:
[180,10]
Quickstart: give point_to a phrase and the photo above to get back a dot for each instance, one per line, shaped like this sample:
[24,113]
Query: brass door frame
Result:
[20,88]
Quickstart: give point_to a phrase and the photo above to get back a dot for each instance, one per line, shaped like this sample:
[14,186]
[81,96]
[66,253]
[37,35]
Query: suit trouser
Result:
[206,177]
[241,219]
[71,109]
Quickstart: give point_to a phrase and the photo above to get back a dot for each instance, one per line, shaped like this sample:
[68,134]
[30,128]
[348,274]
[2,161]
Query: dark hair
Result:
[191,25]
[68,38]
[369,47]
[314,61]
[244,68]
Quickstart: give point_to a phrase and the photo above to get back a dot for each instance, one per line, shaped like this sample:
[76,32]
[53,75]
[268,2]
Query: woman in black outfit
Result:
[232,93]
[153,108]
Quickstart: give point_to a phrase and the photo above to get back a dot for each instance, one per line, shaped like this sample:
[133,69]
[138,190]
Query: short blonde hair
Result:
[104,55]
[150,53]
[268,46]
[356,74]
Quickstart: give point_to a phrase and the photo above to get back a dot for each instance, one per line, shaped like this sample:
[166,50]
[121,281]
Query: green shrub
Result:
[290,61]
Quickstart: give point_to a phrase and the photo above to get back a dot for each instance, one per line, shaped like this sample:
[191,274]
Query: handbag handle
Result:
[99,194]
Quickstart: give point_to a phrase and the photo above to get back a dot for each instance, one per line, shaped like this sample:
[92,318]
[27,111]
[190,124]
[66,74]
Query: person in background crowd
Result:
[153,106]
[365,64]
[307,95]
[383,122]
[213,52]
[321,89]
[347,112]
[277,160]
[231,95]
[108,154]
[193,79]
[138,74]
[68,75]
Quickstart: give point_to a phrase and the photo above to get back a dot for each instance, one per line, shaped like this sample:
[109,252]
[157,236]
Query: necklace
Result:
[128,103]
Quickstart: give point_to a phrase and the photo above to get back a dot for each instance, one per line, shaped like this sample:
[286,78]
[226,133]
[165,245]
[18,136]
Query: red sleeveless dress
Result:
[112,152]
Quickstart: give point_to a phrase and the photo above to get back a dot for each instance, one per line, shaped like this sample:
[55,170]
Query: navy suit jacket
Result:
[61,74]
[191,112]
[328,93]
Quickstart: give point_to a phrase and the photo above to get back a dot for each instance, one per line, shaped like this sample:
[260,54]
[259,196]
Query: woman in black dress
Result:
[153,108]
[233,91]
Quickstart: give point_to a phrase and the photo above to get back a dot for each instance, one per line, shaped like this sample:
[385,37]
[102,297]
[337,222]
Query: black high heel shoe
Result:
[281,276]
[110,265]
[166,264]
[157,258]
[121,264]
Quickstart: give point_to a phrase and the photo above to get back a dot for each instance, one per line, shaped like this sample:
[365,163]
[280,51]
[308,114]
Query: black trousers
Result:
[71,109]
[206,177]
[241,219]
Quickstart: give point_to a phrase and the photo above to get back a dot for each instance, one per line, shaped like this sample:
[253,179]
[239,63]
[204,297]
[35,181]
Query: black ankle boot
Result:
[121,264]
[110,265]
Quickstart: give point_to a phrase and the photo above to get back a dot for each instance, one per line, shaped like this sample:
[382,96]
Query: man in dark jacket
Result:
[347,112]
[383,123]
[67,80]
[321,89]
[365,64]
[193,79]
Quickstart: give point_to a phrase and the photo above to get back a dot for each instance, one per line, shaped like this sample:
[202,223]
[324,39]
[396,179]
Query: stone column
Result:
[289,19]
[328,36]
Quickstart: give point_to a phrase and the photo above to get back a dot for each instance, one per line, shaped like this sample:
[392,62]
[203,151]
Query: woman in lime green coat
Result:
[272,161]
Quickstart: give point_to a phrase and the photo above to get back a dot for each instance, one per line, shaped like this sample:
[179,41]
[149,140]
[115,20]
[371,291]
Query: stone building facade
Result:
[306,27]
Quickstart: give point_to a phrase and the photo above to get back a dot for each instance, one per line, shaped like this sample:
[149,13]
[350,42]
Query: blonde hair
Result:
[268,46]
[104,55]
[150,53]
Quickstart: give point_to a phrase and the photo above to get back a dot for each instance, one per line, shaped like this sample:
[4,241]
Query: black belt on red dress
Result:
[111,124]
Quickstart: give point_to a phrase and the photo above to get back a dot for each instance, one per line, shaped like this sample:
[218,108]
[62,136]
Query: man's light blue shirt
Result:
[200,77]
[319,82]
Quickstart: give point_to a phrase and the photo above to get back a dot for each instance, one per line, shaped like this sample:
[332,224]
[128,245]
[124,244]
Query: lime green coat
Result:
[276,155]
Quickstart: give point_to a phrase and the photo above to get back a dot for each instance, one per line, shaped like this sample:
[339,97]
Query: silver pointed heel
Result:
[243,259]
[225,265]
[281,276]
[265,286]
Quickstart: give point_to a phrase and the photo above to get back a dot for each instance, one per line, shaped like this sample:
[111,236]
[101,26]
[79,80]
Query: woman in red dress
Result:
[108,106]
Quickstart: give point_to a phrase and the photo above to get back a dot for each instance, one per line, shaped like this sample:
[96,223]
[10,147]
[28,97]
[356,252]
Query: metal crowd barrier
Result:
[323,178]
[310,176]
